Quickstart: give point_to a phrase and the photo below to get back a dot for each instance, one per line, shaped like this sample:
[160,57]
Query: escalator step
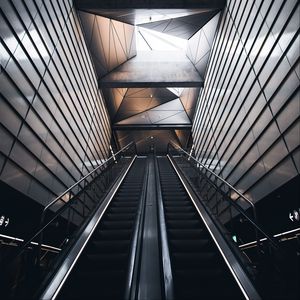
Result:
[109,225]
[101,270]
[183,224]
[124,203]
[104,260]
[110,246]
[194,260]
[190,245]
[176,209]
[181,216]
[188,234]
[177,203]
[198,275]
[119,217]
[112,285]
[199,271]
[114,234]
[128,198]
[174,193]
[120,210]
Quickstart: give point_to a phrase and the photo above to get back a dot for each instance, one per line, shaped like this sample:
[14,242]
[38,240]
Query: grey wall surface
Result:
[54,126]
[246,126]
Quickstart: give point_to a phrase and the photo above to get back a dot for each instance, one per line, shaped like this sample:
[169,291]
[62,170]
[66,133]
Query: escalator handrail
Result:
[47,207]
[220,178]
[237,206]
[232,260]
[57,280]
[42,226]
[165,251]
[135,252]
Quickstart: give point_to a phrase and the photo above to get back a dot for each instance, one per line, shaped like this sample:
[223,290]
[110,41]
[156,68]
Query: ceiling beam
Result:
[136,4]
[154,69]
[151,126]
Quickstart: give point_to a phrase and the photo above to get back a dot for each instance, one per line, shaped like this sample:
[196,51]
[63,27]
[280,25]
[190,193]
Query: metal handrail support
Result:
[47,207]
[82,179]
[254,223]
[56,282]
[221,179]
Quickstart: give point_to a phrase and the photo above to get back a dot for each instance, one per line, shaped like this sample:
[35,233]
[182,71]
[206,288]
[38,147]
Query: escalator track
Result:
[102,268]
[199,271]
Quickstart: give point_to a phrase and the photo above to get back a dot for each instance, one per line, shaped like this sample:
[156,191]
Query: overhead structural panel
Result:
[148,4]
[151,126]
[154,69]
[183,27]
[111,43]
[199,46]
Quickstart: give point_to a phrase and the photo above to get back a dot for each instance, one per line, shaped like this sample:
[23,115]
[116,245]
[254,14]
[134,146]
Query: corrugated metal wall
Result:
[247,126]
[54,124]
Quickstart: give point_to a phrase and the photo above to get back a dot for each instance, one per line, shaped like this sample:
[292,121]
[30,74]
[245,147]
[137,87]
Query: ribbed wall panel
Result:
[54,124]
[247,126]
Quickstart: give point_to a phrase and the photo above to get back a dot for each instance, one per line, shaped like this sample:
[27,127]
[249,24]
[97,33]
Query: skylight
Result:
[150,40]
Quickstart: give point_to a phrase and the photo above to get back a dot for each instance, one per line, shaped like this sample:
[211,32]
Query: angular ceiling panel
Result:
[174,105]
[202,64]
[96,46]
[183,27]
[189,99]
[200,44]
[158,86]
[178,118]
[113,98]
[139,100]
[143,16]
[102,26]
[141,118]
[113,57]
[210,28]
[183,137]
[120,51]
[119,31]
[162,114]
[130,41]
[87,21]
[203,48]
[112,43]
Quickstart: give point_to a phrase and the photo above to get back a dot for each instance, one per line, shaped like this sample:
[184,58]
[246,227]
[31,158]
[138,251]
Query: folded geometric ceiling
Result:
[150,64]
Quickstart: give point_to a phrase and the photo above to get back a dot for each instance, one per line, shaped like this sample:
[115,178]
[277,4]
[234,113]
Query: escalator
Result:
[147,240]
[198,268]
[102,269]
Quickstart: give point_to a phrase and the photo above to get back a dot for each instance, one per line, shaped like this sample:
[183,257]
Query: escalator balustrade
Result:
[102,268]
[199,271]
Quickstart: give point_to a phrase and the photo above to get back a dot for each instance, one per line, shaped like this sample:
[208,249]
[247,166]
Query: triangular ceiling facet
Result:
[183,27]
[171,112]
[199,46]
[111,43]
[144,16]
[139,100]
[183,136]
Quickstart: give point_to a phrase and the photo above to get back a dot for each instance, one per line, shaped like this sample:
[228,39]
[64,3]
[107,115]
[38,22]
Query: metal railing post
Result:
[240,195]
[40,233]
